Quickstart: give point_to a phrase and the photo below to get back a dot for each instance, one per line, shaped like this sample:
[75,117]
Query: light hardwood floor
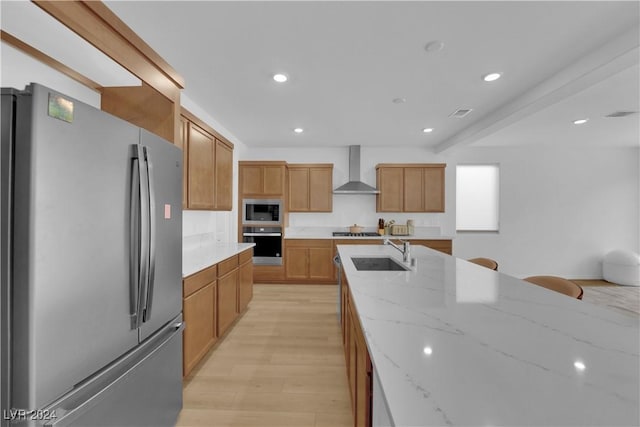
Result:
[281,365]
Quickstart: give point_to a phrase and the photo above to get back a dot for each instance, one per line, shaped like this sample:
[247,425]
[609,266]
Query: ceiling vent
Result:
[460,113]
[621,114]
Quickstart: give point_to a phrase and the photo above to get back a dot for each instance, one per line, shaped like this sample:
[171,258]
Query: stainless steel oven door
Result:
[268,240]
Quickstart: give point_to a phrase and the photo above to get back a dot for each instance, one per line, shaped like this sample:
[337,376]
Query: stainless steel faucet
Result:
[405,249]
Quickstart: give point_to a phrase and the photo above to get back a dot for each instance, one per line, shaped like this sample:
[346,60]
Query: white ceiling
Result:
[347,61]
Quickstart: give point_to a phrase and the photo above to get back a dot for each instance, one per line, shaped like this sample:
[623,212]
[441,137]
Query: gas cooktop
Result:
[349,234]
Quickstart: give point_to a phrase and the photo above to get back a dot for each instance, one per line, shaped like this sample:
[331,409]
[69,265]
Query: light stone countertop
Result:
[456,344]
[199,257]
[426,233]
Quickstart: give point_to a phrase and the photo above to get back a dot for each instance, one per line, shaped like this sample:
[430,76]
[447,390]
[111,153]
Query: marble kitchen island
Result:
[453,343]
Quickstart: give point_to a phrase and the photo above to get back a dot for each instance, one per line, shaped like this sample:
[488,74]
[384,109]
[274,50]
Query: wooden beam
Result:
[47,60]
[98,25]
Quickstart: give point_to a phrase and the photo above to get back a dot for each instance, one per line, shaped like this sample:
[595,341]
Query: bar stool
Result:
[557,284]
[485,262]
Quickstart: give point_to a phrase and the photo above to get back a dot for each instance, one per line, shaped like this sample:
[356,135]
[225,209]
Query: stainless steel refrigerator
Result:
[91,259]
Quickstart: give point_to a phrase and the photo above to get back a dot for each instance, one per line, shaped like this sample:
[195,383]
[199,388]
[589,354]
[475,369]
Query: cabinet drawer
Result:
[198,280]
[309,243]
[246,256]
[227,265]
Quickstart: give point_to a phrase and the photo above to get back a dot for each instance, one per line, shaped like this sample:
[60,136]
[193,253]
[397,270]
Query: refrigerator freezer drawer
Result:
[142,389]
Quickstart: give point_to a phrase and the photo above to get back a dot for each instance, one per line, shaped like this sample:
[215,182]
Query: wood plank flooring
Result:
[281,365]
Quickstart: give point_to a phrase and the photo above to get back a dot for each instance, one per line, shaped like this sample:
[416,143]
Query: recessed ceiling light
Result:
[434,46]
[491,77]
[580,121]
[298,130]
[427,130]
[399,100]
[280,78]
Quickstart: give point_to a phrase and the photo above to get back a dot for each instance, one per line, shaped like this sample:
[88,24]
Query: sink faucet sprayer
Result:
[405,249]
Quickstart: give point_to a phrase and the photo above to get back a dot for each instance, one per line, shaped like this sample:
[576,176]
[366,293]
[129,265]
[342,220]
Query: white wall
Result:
[561,209]
[18,70]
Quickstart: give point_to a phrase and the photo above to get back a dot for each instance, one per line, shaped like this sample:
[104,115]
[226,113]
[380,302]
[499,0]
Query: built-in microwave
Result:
[262,211]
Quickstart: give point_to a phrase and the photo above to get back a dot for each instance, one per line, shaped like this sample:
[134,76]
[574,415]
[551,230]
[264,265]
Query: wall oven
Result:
[262,211]
[268,240]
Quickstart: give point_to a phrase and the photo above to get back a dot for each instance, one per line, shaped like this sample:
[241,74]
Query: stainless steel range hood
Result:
[355,186]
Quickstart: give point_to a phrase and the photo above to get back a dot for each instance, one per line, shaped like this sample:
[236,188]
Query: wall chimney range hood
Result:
[355,186]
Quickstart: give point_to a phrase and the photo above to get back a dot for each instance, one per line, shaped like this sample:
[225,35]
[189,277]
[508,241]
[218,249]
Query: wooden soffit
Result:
[98,25]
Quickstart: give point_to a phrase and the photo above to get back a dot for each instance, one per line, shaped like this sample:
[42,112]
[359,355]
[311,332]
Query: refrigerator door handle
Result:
[134,239]
[152,238]
[142,279]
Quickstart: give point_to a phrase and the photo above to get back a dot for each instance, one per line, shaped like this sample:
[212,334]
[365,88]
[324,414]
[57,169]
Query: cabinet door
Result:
[434,189]
[227,300]
[413,190]
[321,263]
[296,261]
[320,189]
[201,148]
[352,362]
[390,184]
[273,183]
[362,381]
[245,285]
[251,179]
[223,176]
[199,333]
[184,135]
[298,189]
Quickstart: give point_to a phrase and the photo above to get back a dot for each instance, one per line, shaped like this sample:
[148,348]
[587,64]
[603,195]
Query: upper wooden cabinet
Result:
[223,176]
[200,155]
[262,178]
[208,166]
[410,187]
[310,187]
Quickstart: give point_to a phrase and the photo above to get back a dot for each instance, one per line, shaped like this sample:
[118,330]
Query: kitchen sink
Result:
[378,264]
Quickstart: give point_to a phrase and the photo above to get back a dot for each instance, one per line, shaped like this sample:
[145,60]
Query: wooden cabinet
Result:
[309,260]
[201,151]
[199,314]
[410,187]
[245,280]
[359,368]
[212,301]
[208,166]
[227,293]
[262,179]
[223,176]
[445,246]
[390,182]
[310,187]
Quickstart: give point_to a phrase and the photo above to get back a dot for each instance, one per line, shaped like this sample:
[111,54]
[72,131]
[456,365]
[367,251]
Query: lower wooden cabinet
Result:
[359,368]
[200,320]
[245,280]
[212,300]
[439,245]
[227,293]
[309,260]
